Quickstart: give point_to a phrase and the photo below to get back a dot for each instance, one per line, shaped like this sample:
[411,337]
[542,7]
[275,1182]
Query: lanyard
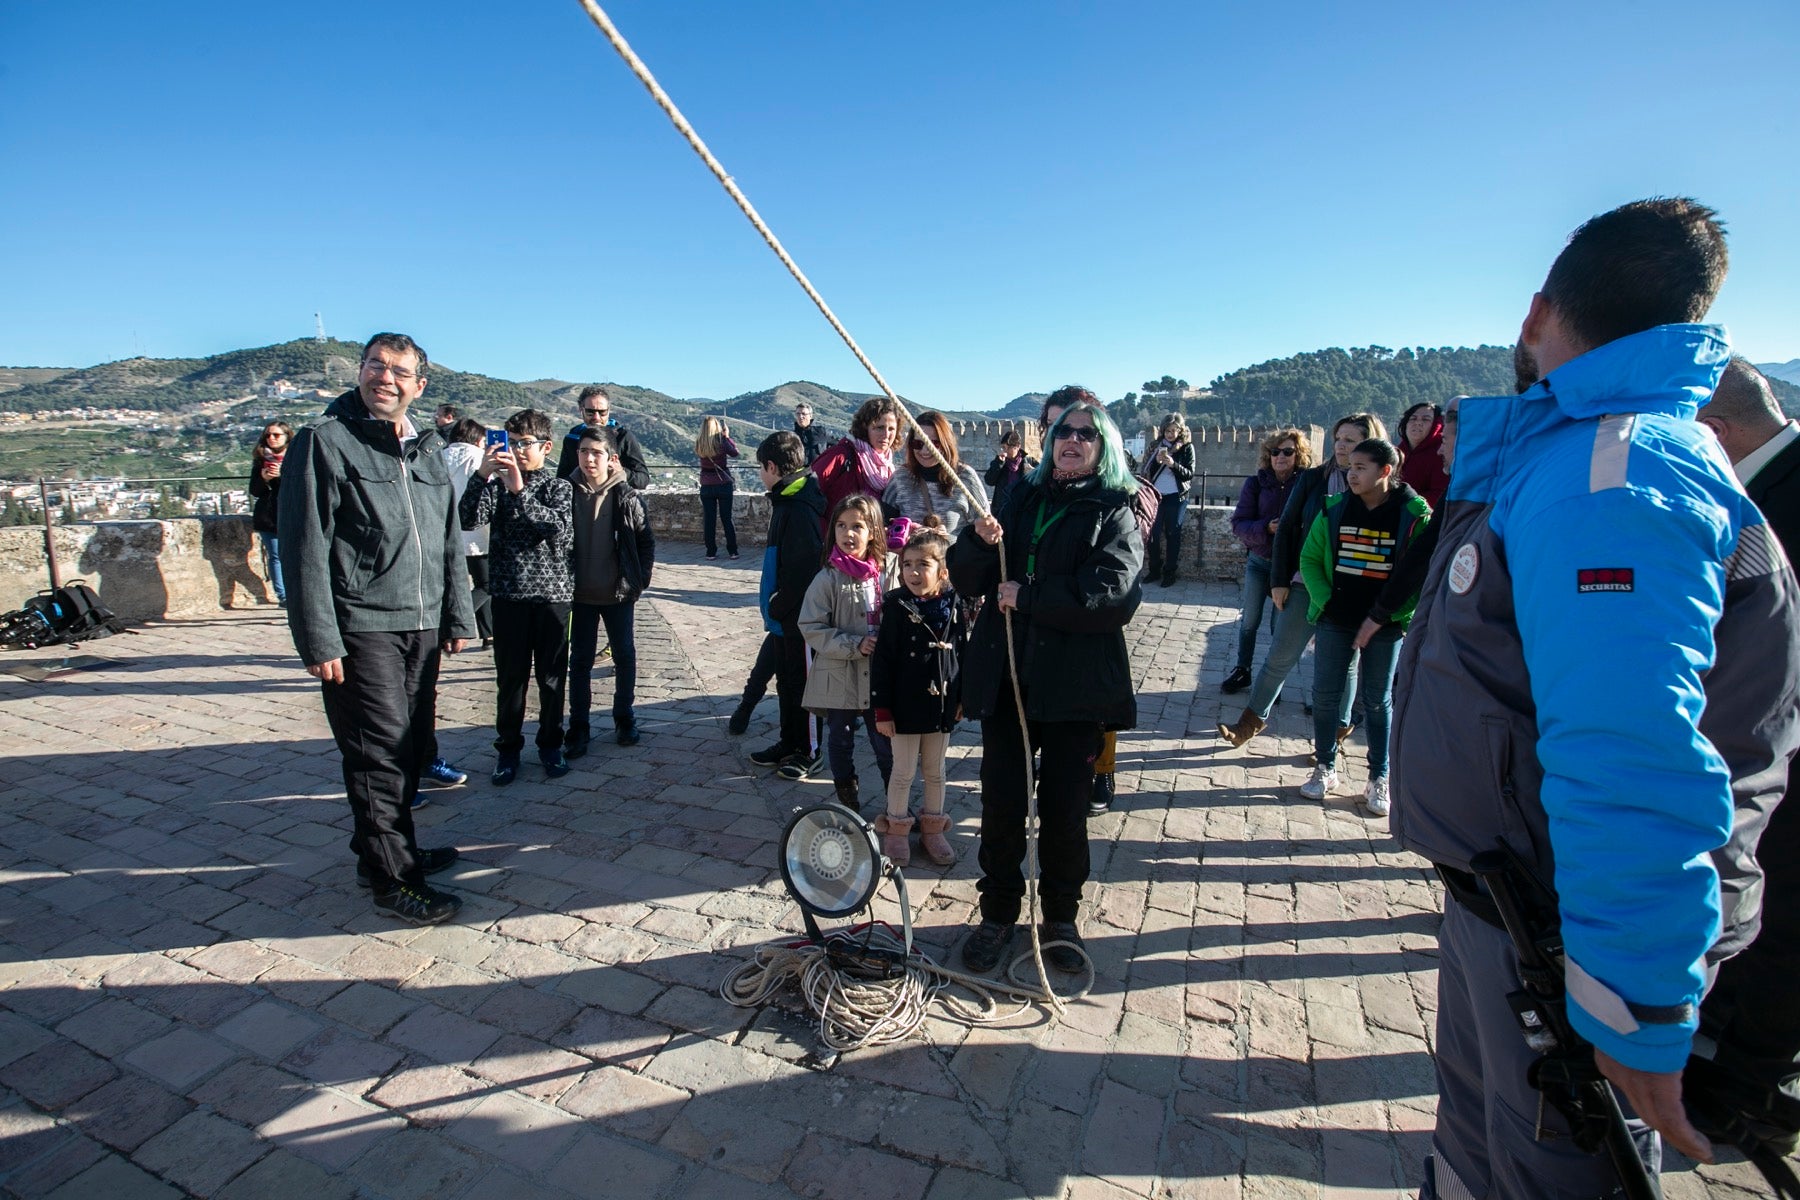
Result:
[1045,519]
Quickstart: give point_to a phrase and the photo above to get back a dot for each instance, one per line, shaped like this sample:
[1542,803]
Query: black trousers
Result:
[381,715]
[799,730]
[529,633]
[1753,992]
[1065,780]
[478,583]
[768,661]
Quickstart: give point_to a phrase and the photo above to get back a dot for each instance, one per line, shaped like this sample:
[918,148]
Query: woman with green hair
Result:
[1074,558]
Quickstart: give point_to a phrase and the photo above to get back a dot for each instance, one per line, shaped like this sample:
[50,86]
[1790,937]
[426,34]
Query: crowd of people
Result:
[1557,614]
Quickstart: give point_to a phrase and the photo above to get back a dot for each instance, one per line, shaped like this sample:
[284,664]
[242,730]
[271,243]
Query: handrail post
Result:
[49,537]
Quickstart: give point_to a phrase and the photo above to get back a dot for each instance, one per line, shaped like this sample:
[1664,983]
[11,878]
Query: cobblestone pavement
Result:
[196,999]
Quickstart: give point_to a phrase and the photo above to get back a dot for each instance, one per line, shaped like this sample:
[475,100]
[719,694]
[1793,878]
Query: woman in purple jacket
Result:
[1255,519]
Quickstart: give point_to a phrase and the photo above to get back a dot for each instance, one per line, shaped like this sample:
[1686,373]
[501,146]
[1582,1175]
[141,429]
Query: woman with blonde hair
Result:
[715,449]
[1285,453]
[1168,467]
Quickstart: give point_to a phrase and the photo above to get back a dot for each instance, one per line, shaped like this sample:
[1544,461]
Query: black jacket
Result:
[1181,465]
[791,558]
[631,456]
[1305,501]
[369,536]
[915,674]
[1069,630]
[816,438]
[263,493]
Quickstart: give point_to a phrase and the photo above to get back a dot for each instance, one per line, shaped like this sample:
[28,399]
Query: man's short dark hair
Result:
[783,451]
[1065,397]
[529,422]
[467,429]
[1652,262]
[396,343]
[1744,397]
[603,435]
[592,390]
[448,412]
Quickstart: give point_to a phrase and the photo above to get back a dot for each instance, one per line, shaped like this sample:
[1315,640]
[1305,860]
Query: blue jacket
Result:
[1602,675]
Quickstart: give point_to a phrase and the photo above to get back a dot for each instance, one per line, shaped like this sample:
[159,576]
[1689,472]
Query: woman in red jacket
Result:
[1421,466]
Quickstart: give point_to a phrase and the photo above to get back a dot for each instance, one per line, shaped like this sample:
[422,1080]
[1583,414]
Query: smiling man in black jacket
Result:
[377,589]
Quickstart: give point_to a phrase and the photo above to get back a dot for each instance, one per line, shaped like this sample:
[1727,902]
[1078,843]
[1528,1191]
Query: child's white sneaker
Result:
[1375,796]
[1320,784]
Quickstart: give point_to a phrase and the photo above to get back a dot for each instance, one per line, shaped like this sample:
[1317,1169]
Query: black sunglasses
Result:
[1081,433]
[1283,452]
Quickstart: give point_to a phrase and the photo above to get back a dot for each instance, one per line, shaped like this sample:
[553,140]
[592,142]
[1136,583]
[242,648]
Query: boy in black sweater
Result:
[790,560]
[532,583]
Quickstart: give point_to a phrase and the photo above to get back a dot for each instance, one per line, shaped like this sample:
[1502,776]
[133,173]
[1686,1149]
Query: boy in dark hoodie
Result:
[614,555]
[790,560]
[531,582]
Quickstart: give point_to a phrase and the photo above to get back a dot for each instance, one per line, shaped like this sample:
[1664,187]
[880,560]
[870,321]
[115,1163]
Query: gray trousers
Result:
[1486,1145]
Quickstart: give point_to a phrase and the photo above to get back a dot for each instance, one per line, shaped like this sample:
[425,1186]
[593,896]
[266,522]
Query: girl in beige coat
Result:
[838,619]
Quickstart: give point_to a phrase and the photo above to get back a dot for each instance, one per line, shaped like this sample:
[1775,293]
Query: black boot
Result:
[740,717]
[848,793]
[1100,803]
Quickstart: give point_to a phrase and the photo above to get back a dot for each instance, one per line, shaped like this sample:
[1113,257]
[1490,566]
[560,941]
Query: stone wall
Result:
[149,569]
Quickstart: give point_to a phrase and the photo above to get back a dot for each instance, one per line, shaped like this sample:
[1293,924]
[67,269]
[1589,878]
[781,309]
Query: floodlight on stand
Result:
[831,864]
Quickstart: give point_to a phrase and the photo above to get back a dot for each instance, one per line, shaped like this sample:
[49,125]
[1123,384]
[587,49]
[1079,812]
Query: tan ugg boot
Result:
[1248,726]
[932,840]
[896,838]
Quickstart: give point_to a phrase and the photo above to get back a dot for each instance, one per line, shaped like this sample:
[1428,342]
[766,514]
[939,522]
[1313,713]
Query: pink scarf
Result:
[877,469]
[859,569]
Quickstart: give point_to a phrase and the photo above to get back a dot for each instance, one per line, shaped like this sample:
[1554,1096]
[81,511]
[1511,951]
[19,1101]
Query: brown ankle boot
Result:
[932,840]
[1248,726]
[896,838]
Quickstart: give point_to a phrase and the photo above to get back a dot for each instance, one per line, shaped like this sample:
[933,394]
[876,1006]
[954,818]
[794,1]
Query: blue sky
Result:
[996,197]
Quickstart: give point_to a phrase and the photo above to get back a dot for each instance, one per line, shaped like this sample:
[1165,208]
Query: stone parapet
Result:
[190,567]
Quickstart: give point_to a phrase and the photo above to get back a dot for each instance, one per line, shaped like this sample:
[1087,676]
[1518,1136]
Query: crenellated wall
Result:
[149,569]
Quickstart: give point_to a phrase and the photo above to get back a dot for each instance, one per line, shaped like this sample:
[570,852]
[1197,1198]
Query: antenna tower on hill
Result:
[318,328]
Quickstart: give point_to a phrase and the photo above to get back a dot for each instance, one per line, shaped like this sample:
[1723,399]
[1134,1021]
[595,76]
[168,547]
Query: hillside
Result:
[1787,372]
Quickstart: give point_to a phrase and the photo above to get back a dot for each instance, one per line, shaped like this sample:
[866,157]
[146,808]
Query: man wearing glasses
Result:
[812,435]
[377,590]
[596,411]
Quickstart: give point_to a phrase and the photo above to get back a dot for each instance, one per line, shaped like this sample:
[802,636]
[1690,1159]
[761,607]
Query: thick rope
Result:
[687,131]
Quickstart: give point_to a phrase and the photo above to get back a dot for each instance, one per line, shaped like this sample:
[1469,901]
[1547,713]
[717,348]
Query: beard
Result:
[1525,368]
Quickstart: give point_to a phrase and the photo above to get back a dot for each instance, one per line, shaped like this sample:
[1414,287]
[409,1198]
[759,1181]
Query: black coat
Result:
[1306,500]
[817,440]
[1069,630]
[915,675]
[263,498]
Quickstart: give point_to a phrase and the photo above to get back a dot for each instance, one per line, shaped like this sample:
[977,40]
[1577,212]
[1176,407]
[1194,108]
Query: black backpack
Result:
[70,614]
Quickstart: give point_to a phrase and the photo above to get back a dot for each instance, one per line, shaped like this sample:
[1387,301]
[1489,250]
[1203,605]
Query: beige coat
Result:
[834,621]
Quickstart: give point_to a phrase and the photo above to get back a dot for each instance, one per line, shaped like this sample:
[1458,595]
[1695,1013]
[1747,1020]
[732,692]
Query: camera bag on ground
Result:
[70,614]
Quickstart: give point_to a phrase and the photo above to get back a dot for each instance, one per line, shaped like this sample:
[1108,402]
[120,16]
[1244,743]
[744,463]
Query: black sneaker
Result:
[982,952]
[575,743]
[774,756]
[1100,803]
[555,765]
[1063,958]
[740,720]
[799,766]
[438,858]
[629,735]
[1237,681]
[420,905]
[505,771]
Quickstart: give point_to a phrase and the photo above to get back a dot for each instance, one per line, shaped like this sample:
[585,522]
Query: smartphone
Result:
[496,439]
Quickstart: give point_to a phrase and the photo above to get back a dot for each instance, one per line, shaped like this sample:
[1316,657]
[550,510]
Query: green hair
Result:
[1114,470]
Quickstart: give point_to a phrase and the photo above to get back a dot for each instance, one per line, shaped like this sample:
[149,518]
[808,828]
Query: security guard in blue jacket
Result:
[1602,679]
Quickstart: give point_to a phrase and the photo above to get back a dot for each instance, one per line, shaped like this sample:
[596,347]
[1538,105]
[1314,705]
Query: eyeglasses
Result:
[1081,433]
[528,443]
[923,444]
[595,412]
[1283,452]
[376,368]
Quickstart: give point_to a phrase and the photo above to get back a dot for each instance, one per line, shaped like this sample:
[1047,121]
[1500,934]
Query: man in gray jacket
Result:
[371,542]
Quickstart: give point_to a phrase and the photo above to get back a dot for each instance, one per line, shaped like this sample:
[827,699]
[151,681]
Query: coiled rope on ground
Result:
[682,125]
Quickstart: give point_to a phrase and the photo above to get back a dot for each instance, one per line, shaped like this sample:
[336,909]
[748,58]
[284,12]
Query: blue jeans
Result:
[715,505]
[1164,546]
[1334,662]
[1292,632]
[271,548]
[584,648]
[840,745]
[1250,605]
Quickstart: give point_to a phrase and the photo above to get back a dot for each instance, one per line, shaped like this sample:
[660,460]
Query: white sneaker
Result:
[1375,796]
[1320,784]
